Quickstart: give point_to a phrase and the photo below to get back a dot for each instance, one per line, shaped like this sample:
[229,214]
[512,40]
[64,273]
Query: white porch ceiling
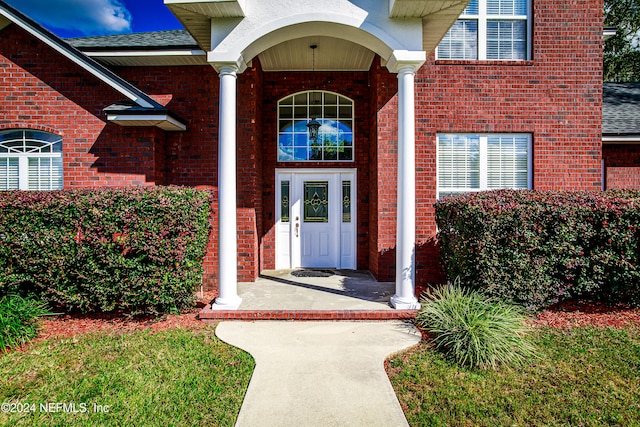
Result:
[331,54]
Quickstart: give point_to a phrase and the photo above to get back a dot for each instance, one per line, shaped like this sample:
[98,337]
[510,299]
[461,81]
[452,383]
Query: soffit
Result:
[422,8]
[4,22]
[196,15]
[331,54]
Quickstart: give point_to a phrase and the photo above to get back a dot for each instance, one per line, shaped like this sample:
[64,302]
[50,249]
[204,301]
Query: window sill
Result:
[485,63]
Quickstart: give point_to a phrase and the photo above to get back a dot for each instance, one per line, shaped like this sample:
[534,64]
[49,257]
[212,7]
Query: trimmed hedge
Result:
[538,248]
[138,250]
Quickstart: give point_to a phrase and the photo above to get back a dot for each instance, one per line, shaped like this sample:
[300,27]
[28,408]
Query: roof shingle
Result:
[621,109]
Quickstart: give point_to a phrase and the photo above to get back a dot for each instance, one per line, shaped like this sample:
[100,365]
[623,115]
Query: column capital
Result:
[227,64]
[406,61]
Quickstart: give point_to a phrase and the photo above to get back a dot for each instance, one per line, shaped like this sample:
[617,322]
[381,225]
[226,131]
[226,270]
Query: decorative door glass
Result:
[346,201]
[316,201]
[284,201]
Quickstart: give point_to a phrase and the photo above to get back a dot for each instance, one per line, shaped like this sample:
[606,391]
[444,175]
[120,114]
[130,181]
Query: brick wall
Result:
[622,166]
[42,90]
[556,97]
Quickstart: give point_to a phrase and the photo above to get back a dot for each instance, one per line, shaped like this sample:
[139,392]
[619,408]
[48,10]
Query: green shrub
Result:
[473,330]
[538,248]
[18,320]
[138,250]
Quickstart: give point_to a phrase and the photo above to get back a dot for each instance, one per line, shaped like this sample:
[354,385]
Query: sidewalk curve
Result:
[320,373]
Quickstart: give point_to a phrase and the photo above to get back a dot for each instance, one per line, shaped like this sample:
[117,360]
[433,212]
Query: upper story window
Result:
[30,160]
[334,141]
[472,162]
[489,29]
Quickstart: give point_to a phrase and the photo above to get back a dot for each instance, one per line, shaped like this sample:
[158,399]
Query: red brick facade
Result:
[621,165]
[556,97]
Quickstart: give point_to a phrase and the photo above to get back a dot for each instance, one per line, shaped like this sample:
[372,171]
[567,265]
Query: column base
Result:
[400,303]
[226,303]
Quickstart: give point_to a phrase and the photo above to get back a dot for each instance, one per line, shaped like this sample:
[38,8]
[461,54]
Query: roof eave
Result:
[620,138]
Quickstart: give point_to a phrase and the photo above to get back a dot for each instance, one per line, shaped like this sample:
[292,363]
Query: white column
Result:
[406,64]
[227,223]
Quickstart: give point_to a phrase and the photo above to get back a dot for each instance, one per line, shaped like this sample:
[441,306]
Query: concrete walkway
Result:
[320,373]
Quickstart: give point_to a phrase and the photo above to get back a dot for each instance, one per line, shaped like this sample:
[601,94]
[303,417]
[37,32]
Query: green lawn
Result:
[584,377]
[178,377]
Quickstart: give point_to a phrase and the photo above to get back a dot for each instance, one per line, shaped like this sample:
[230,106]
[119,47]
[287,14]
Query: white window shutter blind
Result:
[9,174]
[45,173]
[507,161]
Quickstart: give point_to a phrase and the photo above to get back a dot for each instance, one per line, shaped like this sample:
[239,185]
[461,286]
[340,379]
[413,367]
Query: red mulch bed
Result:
[570,314]
[69,325]
[566,315]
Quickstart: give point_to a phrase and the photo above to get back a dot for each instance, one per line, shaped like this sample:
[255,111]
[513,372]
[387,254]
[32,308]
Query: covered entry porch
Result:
[247,39]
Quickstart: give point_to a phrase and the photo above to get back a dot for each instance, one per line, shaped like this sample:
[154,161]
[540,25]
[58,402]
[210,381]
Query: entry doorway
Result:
[316,218]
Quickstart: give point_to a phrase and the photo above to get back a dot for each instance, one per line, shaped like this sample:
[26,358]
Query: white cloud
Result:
[91,17]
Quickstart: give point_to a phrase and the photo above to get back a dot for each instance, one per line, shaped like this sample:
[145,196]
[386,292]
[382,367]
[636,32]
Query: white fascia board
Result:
[144,53]
[621,139]
[59,46]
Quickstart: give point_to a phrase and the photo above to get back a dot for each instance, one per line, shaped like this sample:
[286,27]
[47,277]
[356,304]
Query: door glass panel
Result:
[284,201]
[316,201]
[346,201]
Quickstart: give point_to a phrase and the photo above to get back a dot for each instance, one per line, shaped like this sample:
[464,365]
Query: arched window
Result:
[30,160]
[334,141]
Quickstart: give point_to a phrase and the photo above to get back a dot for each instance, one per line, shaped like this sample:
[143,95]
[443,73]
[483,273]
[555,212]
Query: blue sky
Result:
[78,18]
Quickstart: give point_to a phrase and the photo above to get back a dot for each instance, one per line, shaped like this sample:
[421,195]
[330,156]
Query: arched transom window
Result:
[30,160]
[334,141]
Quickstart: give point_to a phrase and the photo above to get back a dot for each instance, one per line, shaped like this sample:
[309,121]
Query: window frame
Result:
[24,156]
[310,109]
[482,19]
[483,162]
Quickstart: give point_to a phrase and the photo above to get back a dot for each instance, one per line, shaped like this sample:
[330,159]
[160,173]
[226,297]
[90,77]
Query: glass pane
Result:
[11,135]
[346,201]
[9,177]
[286,112]
[330,99]
[507,161]
[293,133]
[330,112]
[345,153]
[458,161]
[507,7]
[45,173]
[506,40]
[300,112]
[472,8]
[461,42]
[300,99]
[284,201]
[287,101]
[316,201]
[300,153]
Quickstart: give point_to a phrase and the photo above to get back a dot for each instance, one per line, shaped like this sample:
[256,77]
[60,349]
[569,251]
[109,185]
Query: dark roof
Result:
[171,39]
[621,109]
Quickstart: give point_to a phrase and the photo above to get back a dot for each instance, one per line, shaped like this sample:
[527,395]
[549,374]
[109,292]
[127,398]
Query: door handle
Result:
[297,226]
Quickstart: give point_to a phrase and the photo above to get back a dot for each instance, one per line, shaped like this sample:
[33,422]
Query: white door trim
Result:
[345,234]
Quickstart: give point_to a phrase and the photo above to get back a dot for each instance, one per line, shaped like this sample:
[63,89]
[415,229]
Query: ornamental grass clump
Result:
[18,320]
[473,330]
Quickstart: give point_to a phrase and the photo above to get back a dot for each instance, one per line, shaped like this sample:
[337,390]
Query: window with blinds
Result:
[489,29]
[30,160]
[471,162]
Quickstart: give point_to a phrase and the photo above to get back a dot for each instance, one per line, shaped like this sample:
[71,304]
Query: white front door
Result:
[315,218]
